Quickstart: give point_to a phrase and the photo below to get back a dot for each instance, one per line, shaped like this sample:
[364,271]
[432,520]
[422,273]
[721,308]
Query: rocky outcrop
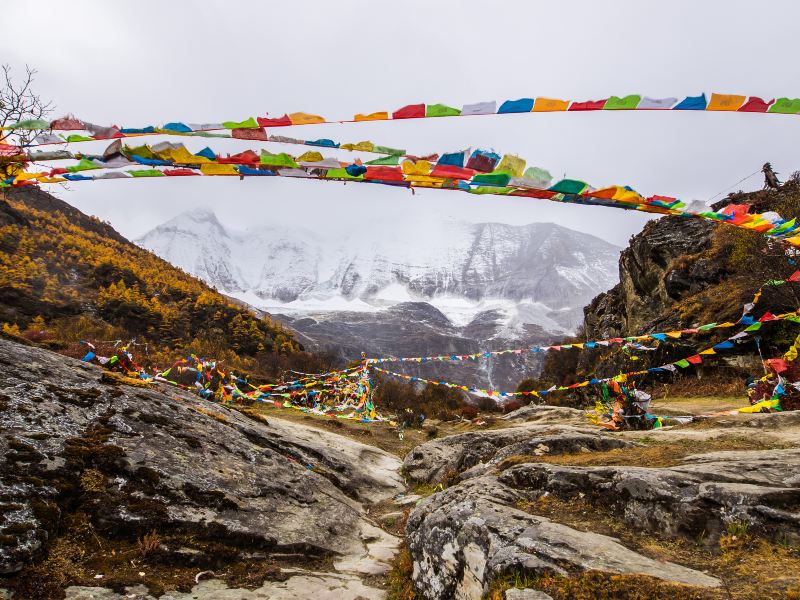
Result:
[463,537]
[472,453]
[705,494]
[650,281]
[474,531]
[138,458]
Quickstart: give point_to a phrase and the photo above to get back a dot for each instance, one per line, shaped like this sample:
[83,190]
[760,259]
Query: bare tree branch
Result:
[18,102]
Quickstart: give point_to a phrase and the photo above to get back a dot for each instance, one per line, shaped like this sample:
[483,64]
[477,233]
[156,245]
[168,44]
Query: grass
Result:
[400,584]
[654,452]
[381,434]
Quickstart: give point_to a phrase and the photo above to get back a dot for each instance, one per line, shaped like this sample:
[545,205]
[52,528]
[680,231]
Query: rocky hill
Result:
[679,273]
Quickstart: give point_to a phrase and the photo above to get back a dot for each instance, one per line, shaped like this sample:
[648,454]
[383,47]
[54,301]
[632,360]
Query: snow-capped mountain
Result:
[542,271]
[478,286]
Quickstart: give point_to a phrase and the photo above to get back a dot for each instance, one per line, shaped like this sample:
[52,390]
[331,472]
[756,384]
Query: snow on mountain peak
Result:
[536,273]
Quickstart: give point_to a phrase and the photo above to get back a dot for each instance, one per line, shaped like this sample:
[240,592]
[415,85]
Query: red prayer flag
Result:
[279,122]
[383,174]
[768,316]
[67,124]
[412,111]
[794,276]
[452,172]
[755,104]
[246,157]
[250,134]
[695,360]
[777,364]
[735,209]
[589,105]
[179,172]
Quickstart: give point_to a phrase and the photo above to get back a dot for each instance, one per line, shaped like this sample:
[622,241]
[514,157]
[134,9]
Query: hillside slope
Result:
[65,276]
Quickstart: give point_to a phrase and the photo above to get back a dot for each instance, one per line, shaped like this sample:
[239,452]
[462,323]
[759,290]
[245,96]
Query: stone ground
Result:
[111,490]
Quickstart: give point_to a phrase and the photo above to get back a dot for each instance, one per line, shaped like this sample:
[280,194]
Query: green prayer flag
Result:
[147,173]
[441,110]
[278,160]
[499,179]
[83,165]
[29,124]
[386,160]
[140,151]
[498,191]
[76,137]
[387,150]
[246,124]
[787,106]
[781,228]
[625,103]
[569,186]
[340,174]
[683,363]
[754,327]
[707,327]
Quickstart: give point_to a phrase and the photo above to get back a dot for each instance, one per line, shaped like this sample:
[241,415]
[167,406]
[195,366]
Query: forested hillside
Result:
[65,277]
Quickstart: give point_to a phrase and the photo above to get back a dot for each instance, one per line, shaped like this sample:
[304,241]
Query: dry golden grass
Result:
[656,453]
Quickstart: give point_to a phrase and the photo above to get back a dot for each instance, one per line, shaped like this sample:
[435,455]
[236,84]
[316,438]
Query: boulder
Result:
[138,458]
[464,536]
[469,454]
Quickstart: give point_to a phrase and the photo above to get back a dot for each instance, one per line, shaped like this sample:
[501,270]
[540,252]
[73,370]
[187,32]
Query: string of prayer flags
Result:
[631,102]
[509,177]
[683,363]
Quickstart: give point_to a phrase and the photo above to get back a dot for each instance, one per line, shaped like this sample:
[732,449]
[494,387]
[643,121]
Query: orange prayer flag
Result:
[550,105]
[376,116]
[725,102]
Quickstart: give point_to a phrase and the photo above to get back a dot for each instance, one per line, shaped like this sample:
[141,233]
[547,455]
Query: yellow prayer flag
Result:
[709,351]
[674,334]
[628,196]
[29,176]
[421,167]
[182,156]
[376,116]
[301,118]
[310,157]
[513,165]
[365,146]
[725,102]
[216,169]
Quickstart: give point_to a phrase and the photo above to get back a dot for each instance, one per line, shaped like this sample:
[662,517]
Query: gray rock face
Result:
[648,284]
[470,454]
[461,538]
[319,586]
[760,489]
[161,458]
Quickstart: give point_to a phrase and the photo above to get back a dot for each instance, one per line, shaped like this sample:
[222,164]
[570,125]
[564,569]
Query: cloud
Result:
[154,61]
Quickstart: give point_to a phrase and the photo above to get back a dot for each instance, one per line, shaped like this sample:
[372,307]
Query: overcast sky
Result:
[143,62]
